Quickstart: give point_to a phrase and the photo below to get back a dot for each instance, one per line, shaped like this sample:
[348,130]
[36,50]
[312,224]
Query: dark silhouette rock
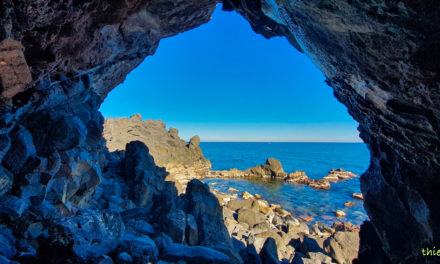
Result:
[268,253]
[197,254]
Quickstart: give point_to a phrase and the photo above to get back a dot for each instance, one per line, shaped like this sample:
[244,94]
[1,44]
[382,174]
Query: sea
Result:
[316,159]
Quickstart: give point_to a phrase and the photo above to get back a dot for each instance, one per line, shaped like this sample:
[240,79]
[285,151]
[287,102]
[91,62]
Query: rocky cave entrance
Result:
[60,60]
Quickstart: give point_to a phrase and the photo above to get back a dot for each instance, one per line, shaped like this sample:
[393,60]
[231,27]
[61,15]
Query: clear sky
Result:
[224,82]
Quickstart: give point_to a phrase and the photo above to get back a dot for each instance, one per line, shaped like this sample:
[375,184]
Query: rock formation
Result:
[183,161]
[380,57]
[166,147]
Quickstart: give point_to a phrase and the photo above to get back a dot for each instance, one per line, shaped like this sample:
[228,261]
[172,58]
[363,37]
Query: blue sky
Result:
[224,82]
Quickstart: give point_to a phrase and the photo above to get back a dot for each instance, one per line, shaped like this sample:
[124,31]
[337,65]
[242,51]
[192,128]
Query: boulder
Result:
[272,168]
[175,224]
[250,217]
[194,142]
[208,214]
[141,248]
[299,177]
[22,147]
[250,255]
[268,253]
[196,254]
[320,184]
[358,196]
[90,234]
[235,205]
[144,178]
[342,246]
[167,149]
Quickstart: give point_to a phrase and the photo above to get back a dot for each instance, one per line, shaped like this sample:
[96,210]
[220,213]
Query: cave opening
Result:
[225,83]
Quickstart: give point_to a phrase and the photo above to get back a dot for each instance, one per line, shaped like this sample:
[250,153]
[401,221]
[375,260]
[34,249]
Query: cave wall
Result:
[381,58]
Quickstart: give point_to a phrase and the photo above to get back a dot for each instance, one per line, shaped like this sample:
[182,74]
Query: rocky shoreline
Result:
[255,225]
[273,169]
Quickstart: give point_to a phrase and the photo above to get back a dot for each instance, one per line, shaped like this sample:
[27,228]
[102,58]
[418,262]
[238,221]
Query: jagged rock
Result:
[196,254]
[14,71]
[144,178]
[320,257]
[175,225]
[22,147]
[299,177]
[89,235]
[141,248]
[194,142]
[250,217]
[191,232]
[268,253]
[343,246]
[250,255]
[346,226]
[167,149]
[302,259]
[272,168]
[320,184]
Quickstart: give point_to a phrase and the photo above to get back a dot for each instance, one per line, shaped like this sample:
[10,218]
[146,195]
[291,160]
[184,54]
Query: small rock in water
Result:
[257,196]
[212,183]
[306,218]
[349,204]
[231,189]
[340,213]
[319,184]
[358,196]
[247,195]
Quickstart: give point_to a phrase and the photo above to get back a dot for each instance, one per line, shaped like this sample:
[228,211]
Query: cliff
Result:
[167,149]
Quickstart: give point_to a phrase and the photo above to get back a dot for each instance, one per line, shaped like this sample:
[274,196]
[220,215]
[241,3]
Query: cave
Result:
[59,60]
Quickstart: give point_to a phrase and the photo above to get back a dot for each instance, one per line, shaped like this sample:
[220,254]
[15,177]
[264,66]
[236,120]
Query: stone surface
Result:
[14,71]
[343,246]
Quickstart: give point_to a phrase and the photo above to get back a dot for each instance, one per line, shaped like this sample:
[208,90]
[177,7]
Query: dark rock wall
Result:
[381,57]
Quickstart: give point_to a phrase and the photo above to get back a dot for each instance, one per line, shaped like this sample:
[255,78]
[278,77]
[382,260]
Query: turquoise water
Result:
[314,158]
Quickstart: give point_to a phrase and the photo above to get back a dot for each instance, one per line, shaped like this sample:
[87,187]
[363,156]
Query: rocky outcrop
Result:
[380,57]
[167,149]
[339,174]
[183,161]
[276,235]
[272,168]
